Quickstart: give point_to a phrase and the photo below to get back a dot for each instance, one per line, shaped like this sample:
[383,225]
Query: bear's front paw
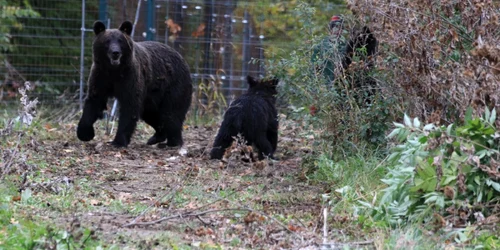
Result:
[85,133]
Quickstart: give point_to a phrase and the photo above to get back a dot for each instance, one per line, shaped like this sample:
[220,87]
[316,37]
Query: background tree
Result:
[10,13]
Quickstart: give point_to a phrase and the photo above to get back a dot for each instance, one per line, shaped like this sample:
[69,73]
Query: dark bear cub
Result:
[150,80]
[254,116]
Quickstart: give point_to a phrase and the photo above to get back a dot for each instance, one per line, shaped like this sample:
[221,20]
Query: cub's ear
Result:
[99,27]
[126,27]
[251,81]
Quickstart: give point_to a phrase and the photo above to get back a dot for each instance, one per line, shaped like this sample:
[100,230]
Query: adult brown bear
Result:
[150,80]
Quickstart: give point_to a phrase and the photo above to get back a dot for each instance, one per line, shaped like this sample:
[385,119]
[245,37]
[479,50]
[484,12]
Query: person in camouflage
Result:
[335,50]
[330,49]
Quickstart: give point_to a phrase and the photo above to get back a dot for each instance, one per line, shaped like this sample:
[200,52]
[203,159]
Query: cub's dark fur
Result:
[254,116]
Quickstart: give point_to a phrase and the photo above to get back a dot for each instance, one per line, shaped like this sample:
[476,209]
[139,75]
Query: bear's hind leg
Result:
[272,136]
[225,137]
[152,119]
[158,137]
[172,131]
[264,146]
[221,143]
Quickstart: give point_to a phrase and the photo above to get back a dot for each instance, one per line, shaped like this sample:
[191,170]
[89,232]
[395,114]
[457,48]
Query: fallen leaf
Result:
[95,203]
[238,228]
[161,204]
[293,228]
[252,217]
[124,197]
[202,231]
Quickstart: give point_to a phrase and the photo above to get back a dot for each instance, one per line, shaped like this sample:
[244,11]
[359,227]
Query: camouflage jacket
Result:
[326,55]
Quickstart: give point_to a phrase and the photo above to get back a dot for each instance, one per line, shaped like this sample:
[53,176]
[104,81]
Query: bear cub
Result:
[254,116]
[150,80]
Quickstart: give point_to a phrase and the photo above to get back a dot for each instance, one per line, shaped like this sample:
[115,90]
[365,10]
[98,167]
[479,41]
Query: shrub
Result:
[441,56]
[449,175]
[345,113]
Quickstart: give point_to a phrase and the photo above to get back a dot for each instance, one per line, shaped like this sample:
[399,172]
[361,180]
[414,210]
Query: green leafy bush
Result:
[447,175]
[347,112]
[9,15]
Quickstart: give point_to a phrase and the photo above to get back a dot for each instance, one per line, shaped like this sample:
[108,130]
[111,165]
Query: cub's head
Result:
[265,87]
[112,47]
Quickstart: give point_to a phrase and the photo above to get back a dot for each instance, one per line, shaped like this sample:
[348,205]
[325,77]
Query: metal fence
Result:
[218,38]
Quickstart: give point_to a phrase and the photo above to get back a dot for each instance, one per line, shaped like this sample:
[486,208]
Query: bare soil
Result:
[145,197]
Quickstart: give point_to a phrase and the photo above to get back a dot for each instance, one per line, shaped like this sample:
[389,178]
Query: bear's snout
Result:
[115,54]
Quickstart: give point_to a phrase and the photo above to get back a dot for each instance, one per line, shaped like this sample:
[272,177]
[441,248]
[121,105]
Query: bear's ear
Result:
[99,27]
[126,27]
[251,81]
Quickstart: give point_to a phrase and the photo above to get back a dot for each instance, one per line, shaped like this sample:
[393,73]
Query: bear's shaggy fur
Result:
[150,80]
[254,116]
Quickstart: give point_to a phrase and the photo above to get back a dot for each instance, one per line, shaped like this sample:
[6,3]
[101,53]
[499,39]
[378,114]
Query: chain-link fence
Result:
[218,38]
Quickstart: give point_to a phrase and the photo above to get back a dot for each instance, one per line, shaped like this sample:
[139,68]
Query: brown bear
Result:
[150,80]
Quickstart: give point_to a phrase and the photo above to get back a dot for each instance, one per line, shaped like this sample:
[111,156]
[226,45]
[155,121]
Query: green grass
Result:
[352,178]
[20,229]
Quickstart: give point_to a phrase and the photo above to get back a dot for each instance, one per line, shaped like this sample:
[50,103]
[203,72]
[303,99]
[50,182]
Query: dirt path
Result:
[147,197]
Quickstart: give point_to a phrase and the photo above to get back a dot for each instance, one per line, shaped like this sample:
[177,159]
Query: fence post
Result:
[227,60]
[150,21]
[261,46]
[103,11]
[246,45]
[207,61]
[82,54]
[166,18]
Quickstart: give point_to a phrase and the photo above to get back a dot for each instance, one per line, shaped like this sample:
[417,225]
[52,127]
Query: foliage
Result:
[209,101]
[47,49]
[10,12]
[18,228]
[280,22]
[25,233]
[347,113]
[440,56]
[446,176]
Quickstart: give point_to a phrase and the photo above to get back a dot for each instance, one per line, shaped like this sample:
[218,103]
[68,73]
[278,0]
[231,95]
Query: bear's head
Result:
[112,47]
[264,87]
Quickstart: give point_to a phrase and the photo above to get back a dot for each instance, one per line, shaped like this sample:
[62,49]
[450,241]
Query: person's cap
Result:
[335,19]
